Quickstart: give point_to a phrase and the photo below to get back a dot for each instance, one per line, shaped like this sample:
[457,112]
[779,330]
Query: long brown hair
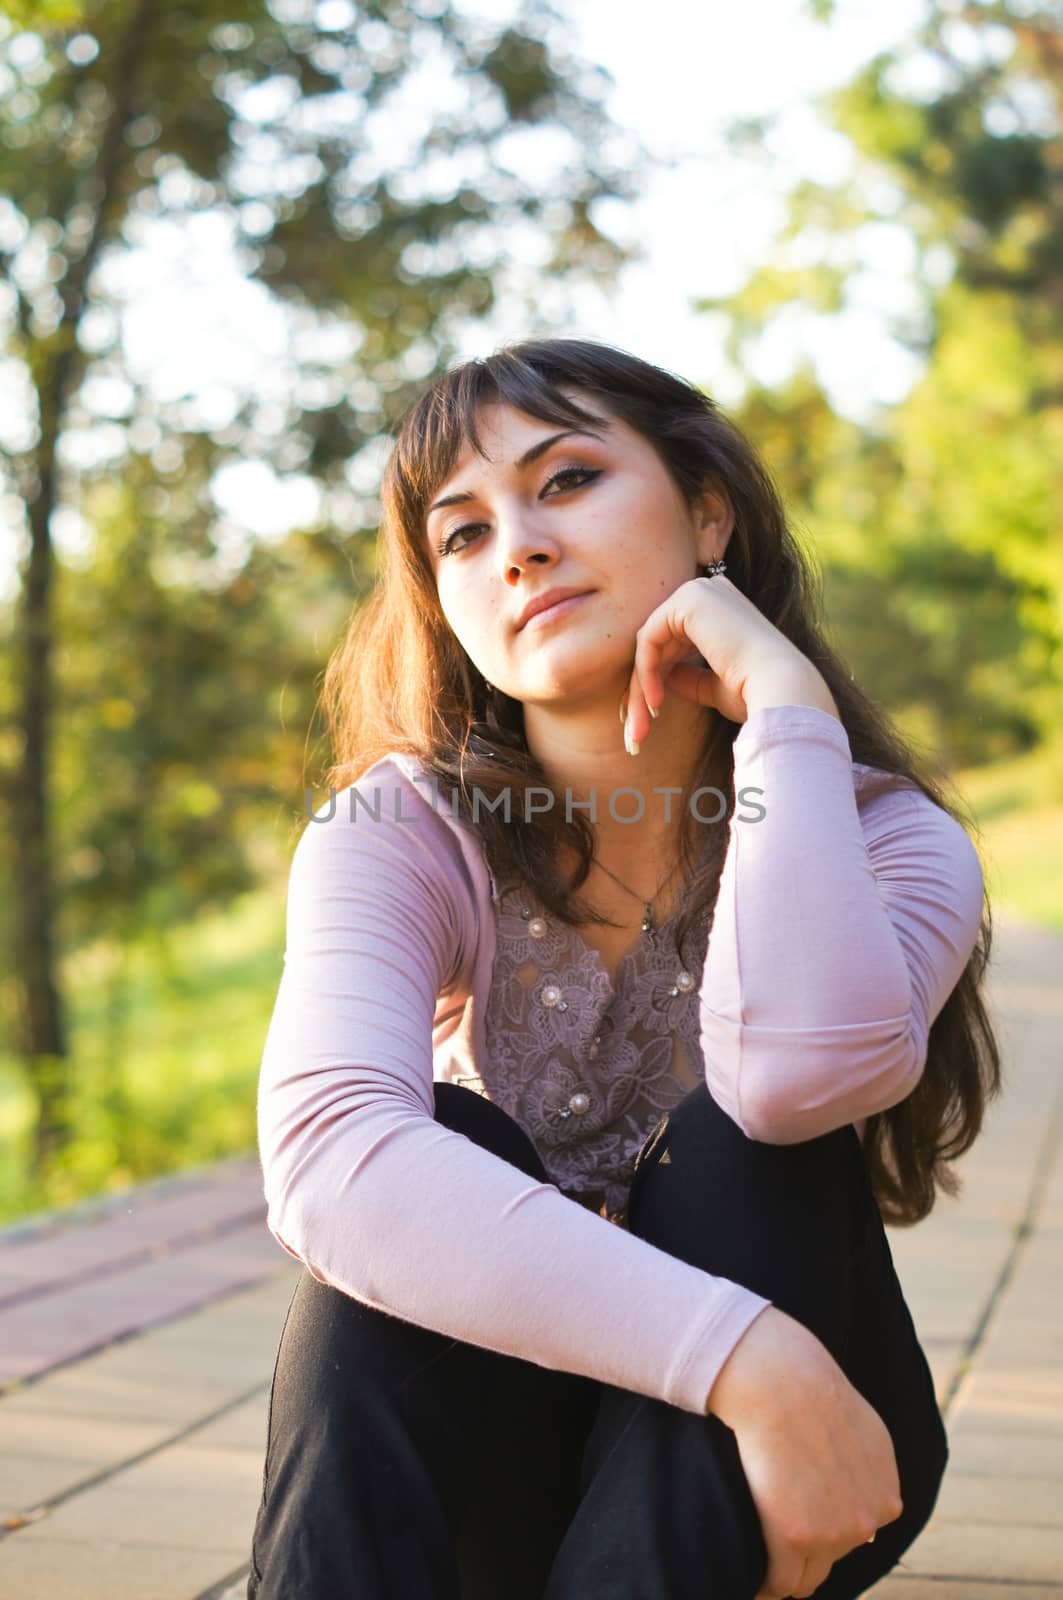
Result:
[400,681]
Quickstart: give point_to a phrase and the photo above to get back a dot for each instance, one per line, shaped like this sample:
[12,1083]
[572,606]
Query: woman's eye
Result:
[566,477]
[444,547]
[566,474]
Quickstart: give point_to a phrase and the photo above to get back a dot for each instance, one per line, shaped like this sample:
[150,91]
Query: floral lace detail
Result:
[587,1070]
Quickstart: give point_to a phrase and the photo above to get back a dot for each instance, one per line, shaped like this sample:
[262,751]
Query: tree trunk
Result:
[57,364]
[43,1027]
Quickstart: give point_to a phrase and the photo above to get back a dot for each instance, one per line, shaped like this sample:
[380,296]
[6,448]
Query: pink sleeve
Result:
[838,935]
[406,1215]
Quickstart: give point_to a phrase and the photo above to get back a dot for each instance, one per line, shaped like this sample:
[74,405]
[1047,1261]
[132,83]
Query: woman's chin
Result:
[576,671]
[576,694]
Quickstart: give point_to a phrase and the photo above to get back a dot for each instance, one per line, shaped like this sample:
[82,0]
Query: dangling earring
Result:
[714,567]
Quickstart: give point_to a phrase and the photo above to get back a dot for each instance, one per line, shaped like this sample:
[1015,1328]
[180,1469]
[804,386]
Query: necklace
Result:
[649,927]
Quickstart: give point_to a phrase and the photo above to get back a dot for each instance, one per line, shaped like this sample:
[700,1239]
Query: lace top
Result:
[588,1071]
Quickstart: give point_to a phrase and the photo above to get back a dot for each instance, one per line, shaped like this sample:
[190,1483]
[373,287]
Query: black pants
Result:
[403,1465]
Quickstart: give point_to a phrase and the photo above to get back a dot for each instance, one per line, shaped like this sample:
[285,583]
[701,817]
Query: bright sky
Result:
[678,81]
[194,329]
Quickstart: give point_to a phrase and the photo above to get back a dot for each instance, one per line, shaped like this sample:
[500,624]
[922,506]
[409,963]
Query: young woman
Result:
[631,983]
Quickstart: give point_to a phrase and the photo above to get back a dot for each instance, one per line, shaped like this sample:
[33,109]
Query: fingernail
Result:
[629,744]
[623,709]
[651,709]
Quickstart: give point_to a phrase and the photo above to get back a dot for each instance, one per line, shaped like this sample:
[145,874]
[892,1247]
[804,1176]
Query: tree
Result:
[367,161]
[947,577]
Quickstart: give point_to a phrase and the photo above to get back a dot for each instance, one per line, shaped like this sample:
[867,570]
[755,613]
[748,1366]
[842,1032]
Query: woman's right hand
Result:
[818,1459]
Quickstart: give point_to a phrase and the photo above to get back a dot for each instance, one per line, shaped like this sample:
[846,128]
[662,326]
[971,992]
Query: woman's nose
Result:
[521,541]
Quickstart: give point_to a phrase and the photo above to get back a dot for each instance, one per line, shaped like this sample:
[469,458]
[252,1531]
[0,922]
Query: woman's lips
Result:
[558,609]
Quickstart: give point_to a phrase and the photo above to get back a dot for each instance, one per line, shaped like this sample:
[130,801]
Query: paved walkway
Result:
[137,1341]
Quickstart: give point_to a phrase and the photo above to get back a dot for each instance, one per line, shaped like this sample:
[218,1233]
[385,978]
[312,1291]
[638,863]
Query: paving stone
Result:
[944,1322]
[977,1550]
[189,1466]
[178,1513]
[90,1391]
[35,1565]
[995,1373]
[39,1333]
[242,1428]
[942,1359]
[178,1362]
[1012,1345]
[1003,1454]
[29,1481]
[1017,1501]
[1025,1412]
[29,1433]
[235,1591]
[922,1588]
[46,1254]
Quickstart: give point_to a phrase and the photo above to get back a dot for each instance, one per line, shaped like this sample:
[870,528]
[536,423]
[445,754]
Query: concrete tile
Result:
[914,1587]
[250,1318]
[1016,1501]
[27,1434]
[243,1428]
[994,1373]
[209,1202]
[78,1319]
[87,1390]
[1036,1285]
[965,1549]
[946,1322]
[35,1565]
[129,1512]
[942,1360]
[189,1469]
[236,1590]
[177,1362]
[31,1481]
[1001,1454]
[1010,1410]
[1013,1344]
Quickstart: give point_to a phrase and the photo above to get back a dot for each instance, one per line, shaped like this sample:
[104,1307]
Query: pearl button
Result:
[685,982]
[537,927]
[579,1103]
[550,995]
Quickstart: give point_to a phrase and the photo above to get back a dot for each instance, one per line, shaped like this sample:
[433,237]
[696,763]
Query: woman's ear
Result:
[714,522]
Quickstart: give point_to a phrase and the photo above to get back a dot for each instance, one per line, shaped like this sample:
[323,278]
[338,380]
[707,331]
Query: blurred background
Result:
[236,238]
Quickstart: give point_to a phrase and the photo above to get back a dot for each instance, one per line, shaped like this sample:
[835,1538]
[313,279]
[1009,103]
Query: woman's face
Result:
[595,512]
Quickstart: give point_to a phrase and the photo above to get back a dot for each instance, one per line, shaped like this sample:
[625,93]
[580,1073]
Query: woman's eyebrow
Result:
[526,460]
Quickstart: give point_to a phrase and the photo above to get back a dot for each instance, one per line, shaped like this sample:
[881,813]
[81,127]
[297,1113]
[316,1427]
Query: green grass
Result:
[1018,805]
[166,1049]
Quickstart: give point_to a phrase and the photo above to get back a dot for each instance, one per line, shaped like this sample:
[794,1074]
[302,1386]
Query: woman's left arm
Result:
[838,933]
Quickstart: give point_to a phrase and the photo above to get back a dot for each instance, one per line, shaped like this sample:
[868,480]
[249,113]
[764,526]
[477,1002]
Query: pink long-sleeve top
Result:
[839,931]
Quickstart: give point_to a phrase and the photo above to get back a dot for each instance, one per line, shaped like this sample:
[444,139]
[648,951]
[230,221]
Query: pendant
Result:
[647,925]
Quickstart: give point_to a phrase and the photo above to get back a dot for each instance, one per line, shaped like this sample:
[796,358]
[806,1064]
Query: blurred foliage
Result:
[160,664]
[168,1028]
[938,527]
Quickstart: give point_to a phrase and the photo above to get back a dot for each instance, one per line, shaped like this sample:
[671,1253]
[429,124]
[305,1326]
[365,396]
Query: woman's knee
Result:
[486,1124]
[784,1220]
